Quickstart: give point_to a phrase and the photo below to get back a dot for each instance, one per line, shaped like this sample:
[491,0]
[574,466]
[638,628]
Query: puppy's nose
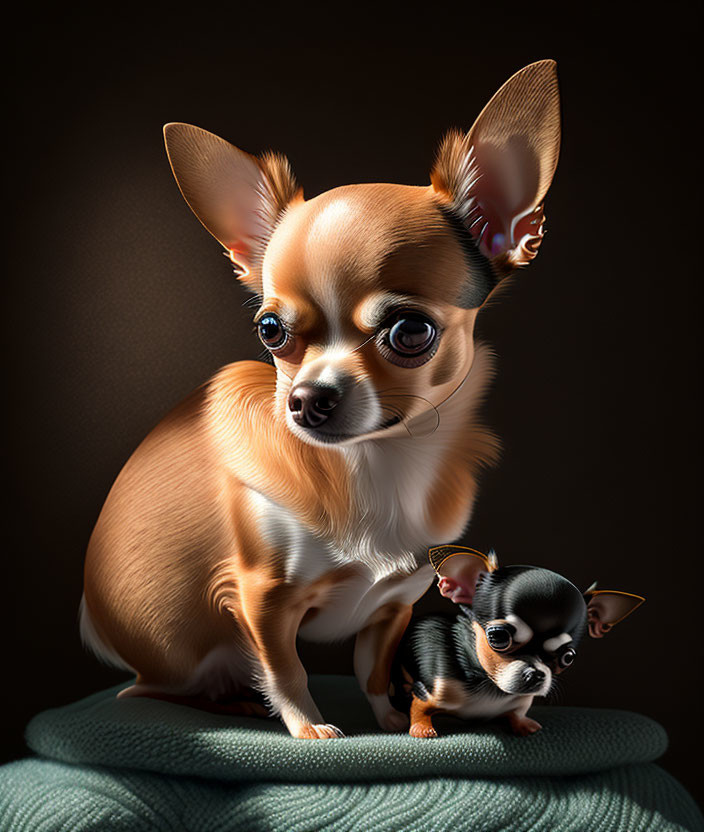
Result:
[311,404]
[533,677]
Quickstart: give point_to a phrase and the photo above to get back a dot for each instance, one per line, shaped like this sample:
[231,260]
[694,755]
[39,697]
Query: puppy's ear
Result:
[496,176]
[459,570]
[237,197]
[607,607]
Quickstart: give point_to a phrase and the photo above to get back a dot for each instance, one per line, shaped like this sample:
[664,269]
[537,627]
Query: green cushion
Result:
[45,796]
[141,764]
[151,735]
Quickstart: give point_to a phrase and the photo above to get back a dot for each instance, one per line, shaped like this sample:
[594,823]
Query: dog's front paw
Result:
[323,731]
[422,730]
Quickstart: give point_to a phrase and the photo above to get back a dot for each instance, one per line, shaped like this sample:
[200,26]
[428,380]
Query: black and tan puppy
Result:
[517,628]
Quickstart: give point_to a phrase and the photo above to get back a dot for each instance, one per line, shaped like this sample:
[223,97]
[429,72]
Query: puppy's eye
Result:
[567,657]
[272,332]
[499,637]
[408,339]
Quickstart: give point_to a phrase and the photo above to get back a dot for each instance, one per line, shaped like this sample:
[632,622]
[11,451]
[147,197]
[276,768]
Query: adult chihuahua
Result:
[301,498]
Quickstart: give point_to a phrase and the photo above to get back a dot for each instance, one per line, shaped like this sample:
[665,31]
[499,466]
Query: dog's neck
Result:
[415,490]
[380,501]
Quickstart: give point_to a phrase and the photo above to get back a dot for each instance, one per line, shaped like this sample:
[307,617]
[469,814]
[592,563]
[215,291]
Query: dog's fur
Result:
[235,526]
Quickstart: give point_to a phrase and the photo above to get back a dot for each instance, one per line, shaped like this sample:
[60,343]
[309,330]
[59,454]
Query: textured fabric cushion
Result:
[156,736]
[140,764]
[44,796]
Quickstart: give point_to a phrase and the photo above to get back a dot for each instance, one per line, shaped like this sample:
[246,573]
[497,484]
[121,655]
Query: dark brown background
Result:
[119,303]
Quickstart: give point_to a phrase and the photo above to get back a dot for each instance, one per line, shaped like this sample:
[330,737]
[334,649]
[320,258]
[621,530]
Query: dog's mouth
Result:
[319,436]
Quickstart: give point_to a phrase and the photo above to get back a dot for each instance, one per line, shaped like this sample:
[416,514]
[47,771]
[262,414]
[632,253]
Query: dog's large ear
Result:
[496,176]
[237,197]
[459,570]
[607,607]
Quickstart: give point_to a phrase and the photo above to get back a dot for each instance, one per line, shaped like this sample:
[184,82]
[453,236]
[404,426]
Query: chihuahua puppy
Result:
[493,658]
[297,499]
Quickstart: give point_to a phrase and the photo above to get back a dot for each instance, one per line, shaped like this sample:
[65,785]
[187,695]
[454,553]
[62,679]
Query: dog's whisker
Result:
[393,413]
[383,399]
[364,343]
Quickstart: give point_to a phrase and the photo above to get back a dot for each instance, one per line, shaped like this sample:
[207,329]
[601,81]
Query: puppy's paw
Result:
[524,726]
[423,730]
[323,731]
[394,721]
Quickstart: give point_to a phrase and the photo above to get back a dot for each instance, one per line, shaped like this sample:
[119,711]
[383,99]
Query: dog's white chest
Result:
[340,609]
[346,608]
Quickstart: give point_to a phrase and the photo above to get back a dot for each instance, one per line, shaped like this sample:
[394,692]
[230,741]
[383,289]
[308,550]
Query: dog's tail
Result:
[93,642]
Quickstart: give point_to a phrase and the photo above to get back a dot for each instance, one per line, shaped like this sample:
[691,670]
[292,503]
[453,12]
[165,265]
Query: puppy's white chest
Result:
[485,706]
[453,696]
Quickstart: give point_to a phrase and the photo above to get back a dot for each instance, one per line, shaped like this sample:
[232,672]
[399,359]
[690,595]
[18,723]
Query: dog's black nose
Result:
[311,404]
[533,677]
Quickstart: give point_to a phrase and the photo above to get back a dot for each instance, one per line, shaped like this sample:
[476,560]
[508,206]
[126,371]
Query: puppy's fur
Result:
[300,498]
[493,658]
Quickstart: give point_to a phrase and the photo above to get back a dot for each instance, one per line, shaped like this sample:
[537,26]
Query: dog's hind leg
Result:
[220,683]
[243,707]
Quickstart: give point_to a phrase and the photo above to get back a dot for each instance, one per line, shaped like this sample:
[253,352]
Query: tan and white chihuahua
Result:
[301,498]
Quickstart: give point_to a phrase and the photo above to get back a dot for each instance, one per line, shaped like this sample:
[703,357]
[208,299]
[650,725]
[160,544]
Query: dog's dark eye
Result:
[499,637]
[408,339]
[412,334]
[567,657]
[272,332]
